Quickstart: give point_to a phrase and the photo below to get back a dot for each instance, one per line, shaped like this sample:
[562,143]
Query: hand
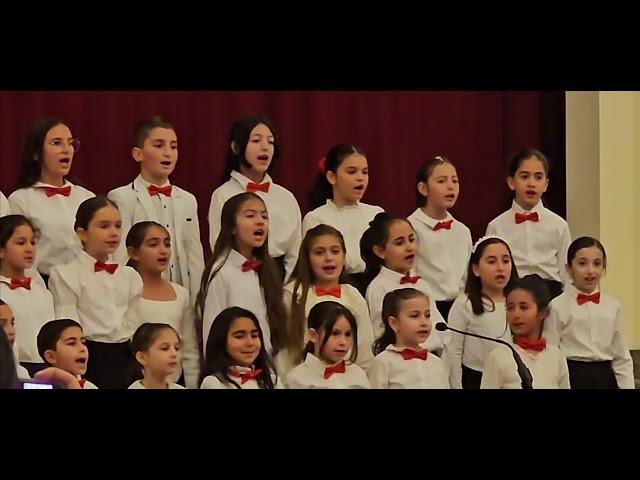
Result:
[59,377]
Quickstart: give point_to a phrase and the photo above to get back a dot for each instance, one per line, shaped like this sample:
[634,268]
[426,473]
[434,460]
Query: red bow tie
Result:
[245,377]
[82,381]
[333,291]
[107,267]
[258,187]
[523,217]
[409,354]
[20,283]
[409,279]
[155,190]
[337,368]
[594,297]
[443,225]
[537,345]
[255,266]
[51,191]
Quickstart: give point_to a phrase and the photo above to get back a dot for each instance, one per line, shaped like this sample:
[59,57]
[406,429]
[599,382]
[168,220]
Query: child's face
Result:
[71,354]
[413,323]
[399,254]
[442,187]
[243,342]
[20,250]
[159,154]
[494,267]
[163,356]
[326,257]
[57,153]
[155,252]
[260,148]
[104,232]
[529,183]
[586,268]
[523,315]
[338,345]
[351,179]
[8,323]
[252,224]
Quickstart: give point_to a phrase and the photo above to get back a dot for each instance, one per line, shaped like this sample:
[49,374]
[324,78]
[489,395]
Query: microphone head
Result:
[441,326]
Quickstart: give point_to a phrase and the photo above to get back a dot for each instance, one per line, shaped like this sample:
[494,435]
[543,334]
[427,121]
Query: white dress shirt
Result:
[231,287]
[548,368]
[443,255]
[310,374]
[390,370]
[211,382]
[469,351]
[388,281]
[590,332]
[351,221]
[31,309]
[284,216]
[54,216]
[102,303]
[537,247]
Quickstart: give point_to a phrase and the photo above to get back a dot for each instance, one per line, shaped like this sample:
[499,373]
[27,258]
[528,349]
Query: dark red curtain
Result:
[398,130]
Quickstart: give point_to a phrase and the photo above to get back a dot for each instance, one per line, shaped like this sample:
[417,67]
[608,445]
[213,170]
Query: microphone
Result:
[524,373]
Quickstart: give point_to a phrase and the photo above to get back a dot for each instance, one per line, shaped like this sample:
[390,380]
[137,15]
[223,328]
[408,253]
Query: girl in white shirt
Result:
[235,354]
[46,195]
[241,273]
[30,301]
[149,248]
[444,242]
[254,149]
[336,199]
[333,336]
[587,325]
[99,294]
[319,276]
[538,238]
[400,360]
[389,248]
[156,347]
[527,307]
[480,310]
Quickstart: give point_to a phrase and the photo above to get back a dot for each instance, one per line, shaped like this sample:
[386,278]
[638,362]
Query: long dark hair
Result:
[240,133]
[376,234]
[323,316]
[391,308]
[8,375]
[473,286]
[217,359]
[269,275]
[322,189]
[303,279]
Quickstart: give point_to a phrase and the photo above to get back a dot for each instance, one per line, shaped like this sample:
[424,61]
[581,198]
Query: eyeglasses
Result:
[59,144]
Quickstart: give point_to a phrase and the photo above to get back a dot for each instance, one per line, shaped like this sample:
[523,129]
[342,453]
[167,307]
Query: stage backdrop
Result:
[398,130]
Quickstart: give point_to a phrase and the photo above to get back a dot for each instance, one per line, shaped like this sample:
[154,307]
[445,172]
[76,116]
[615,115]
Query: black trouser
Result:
[443,307]
[33,367]
[110,365]
[591,375]
[281,268]
[471,379]
[555,288]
